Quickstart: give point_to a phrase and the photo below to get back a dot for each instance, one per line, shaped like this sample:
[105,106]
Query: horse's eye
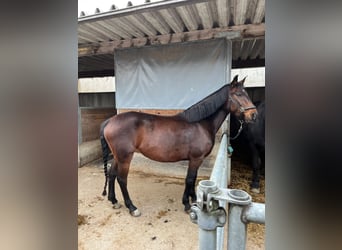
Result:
[238,93]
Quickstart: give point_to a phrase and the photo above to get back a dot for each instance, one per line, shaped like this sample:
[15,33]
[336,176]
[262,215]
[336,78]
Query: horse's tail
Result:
[105,154]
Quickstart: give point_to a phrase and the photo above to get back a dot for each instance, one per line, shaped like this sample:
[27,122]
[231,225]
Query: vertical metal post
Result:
[237,229]
[208,215]
[207,235]
[207,239]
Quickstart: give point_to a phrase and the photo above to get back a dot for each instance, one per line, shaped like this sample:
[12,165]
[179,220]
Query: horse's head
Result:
[239,103]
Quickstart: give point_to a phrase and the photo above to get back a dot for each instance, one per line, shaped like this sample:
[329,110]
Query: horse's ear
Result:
[235,79]
[243,81]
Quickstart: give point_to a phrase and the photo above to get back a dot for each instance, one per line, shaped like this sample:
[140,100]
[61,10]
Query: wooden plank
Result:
[91,120]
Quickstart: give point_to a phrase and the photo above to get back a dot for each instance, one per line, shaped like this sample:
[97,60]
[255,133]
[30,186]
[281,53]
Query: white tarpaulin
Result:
[170,76]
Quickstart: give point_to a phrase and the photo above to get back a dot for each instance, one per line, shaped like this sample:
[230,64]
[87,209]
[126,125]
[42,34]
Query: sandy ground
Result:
[163,223]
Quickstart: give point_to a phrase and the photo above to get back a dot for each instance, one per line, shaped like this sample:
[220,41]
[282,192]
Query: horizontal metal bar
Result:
[255,213]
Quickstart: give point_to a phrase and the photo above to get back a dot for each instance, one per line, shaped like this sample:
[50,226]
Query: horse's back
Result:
[137,126]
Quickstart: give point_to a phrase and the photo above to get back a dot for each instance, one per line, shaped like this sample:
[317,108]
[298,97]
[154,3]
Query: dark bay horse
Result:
[250,143]
[189,135]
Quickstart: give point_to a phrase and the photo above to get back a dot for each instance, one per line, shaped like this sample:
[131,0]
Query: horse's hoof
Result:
[255,190]
[187,209]
[116,205]
[135,213]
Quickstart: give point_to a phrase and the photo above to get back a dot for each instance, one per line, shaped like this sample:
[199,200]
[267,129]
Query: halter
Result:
[242,109]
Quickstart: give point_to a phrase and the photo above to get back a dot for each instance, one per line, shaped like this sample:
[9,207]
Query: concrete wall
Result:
[91,115]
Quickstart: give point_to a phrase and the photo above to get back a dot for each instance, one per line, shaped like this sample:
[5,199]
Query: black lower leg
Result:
[111,184]
[256,170]
[111,190]
[123,187]
[189,191]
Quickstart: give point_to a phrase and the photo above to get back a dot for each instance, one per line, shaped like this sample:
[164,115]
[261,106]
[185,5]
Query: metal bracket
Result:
[206,212]
[208,195]
[208,221]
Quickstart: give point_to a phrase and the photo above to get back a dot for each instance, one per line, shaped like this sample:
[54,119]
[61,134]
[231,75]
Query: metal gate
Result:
[214,199]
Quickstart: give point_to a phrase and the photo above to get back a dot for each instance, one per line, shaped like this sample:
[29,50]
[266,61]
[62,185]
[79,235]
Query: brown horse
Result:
[189,135]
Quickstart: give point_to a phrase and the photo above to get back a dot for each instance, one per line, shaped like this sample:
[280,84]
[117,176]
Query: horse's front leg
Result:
[190,182]
[255,185]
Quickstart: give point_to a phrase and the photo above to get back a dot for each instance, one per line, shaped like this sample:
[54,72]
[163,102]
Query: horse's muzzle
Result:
[254,116]
[251,116]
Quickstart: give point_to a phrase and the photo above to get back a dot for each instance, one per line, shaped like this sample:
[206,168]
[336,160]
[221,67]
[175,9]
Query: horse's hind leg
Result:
[122,180]
[190,182]
[111,185]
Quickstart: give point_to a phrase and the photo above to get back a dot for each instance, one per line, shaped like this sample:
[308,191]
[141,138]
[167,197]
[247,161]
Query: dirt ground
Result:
[163,224]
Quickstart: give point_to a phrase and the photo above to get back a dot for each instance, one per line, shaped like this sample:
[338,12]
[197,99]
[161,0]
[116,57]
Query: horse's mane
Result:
[207,106]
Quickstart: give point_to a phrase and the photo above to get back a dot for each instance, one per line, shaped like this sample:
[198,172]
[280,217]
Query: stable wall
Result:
[94,109]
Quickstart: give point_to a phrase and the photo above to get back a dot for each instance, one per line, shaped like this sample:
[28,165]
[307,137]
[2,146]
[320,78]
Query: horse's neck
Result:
[215,121]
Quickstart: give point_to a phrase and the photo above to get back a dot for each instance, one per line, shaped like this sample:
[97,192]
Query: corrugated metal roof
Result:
[171,21]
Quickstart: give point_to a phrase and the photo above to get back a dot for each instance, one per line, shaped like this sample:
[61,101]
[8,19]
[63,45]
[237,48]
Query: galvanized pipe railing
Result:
[211,236]
[220,176]
[239,215]
[210,210]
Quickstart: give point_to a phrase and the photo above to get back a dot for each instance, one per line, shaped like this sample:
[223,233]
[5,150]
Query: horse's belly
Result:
[164,149]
